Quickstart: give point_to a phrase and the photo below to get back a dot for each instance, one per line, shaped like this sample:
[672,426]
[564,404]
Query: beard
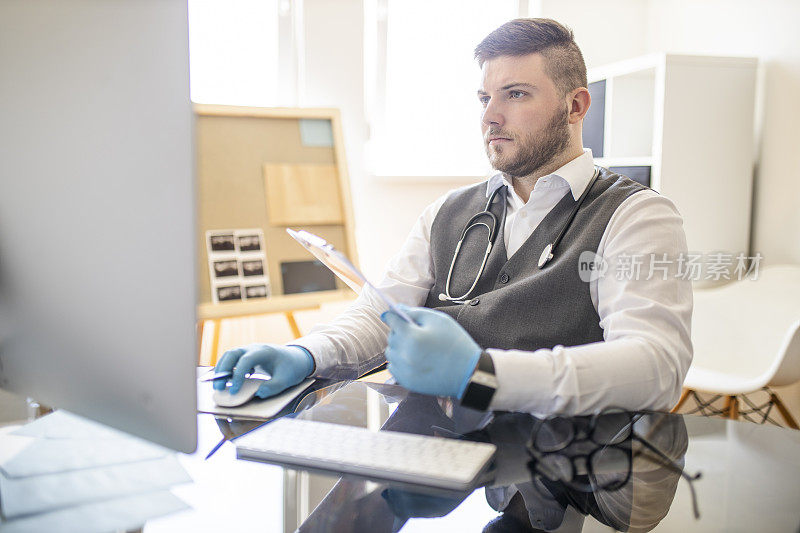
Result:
[534,151]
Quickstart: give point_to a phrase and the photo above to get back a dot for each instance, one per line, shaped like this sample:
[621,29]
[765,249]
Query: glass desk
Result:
[750,474]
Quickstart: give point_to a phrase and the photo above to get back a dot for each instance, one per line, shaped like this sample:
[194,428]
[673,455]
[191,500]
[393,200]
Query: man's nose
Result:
[492,116]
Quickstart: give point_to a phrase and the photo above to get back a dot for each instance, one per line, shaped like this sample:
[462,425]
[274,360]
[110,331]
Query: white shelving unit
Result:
[690,119]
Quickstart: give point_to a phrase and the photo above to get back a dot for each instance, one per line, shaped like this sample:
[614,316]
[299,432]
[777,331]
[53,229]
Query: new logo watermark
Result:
[591,266]
[690,266]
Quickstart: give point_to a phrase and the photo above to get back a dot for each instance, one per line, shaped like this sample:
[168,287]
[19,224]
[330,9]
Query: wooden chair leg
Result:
[293,324]
[684,396]
[733,407]
[787,416]
[217,324]
[200,325]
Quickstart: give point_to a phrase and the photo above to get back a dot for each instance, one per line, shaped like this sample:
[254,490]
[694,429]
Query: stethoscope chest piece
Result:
[547,255]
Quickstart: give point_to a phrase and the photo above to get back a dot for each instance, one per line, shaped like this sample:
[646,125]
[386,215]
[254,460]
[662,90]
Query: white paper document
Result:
[11,445]
[63,472]
[118,514]
[62,442]
[51,456]
[62,424]
[37,494]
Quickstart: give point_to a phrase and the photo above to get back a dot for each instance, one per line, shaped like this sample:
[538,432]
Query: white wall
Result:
[392,207]
[613,30]
[767,30]
[607,31]
[384,211]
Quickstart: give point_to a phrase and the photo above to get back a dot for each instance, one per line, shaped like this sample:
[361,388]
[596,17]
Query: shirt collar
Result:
[577,174]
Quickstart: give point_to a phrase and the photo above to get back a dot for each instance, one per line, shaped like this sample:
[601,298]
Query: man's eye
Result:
[516,94]
[484,100]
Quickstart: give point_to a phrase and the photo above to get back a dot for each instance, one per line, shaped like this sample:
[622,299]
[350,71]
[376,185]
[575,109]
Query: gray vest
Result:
[516,305]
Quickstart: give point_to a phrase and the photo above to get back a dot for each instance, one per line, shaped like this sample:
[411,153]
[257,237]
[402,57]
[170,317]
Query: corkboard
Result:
[303,194]
[234,146]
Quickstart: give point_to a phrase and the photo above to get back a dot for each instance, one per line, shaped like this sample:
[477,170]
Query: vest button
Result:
[475,301]
[504,278]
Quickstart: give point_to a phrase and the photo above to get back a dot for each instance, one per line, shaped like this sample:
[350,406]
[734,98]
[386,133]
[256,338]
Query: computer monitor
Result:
[97,234]
[306,276]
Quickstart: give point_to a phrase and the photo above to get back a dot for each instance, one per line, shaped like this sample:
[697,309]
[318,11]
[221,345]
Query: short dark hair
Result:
[520,37]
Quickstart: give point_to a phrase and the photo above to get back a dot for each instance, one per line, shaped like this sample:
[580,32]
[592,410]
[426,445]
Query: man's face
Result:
[525,118]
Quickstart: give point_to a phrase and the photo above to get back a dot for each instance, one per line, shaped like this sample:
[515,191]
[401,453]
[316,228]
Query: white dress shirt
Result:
[646,324]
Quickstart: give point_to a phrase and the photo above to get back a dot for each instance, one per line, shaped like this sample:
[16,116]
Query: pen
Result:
[217,447]
[225,375]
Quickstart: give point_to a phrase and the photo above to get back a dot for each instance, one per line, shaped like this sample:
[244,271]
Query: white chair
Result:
[746,337]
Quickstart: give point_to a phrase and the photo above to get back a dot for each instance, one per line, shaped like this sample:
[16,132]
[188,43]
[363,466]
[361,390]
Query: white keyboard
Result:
[385,455]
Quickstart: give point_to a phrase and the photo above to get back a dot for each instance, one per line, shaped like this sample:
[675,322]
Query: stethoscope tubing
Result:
[492,237]
[547,252]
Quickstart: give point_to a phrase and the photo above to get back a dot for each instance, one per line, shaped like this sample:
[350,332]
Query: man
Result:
[528,333]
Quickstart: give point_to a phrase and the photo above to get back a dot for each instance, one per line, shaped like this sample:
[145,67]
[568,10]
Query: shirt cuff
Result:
[322,351]
[522,378]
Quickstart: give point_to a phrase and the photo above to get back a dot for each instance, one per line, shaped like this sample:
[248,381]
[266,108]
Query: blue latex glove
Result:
[288,366]
[405,504]
[434,356]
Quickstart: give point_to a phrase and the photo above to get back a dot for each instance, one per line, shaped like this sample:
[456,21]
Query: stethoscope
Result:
[475,221]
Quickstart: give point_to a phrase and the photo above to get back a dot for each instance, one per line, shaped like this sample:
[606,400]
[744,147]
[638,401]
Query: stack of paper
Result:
[66,473]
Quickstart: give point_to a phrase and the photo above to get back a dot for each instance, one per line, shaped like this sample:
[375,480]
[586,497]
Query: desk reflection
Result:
[528,500]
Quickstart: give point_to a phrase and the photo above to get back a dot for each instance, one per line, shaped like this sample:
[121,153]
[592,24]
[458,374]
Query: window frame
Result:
[375,91]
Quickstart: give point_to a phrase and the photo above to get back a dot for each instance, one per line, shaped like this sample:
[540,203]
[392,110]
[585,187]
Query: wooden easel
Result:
[256,169]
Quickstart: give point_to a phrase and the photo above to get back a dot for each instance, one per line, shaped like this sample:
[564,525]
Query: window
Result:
[422,81]
[245,52]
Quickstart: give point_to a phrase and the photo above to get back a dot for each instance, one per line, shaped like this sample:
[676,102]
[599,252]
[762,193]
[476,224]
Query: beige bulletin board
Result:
[260,168]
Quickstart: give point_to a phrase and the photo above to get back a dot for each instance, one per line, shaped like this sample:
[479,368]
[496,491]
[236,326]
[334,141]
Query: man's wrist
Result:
[481,385]
[312,364]
[473,364]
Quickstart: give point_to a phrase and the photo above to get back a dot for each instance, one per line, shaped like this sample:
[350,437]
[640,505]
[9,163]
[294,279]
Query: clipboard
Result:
[342,267]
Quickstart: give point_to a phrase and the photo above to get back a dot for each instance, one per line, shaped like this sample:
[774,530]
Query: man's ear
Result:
[579,101]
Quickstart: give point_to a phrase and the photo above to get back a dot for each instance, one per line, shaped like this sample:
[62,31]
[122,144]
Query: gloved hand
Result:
[288,366]
[434,356]
[405,504]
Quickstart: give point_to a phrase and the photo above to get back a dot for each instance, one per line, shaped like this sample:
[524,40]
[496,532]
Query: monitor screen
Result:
[594,122]
[97,234]
[640,174]
[306,276]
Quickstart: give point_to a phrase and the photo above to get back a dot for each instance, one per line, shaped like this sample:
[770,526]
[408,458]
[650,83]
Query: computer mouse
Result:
[223,398]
